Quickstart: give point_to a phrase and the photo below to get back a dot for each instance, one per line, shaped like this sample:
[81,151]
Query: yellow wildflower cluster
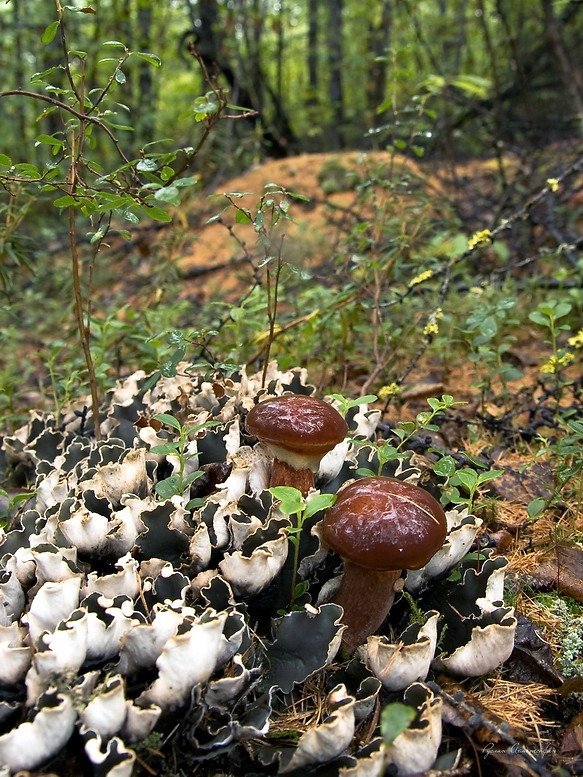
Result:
[553,184]
[423,276]
[577,340]
[556,363]
[392,390]
[432,328]
[480,238]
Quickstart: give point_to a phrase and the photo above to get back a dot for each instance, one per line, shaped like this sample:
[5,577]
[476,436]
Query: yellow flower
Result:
[438,315]
[392,390]
[553,184]
[480,238]
[423,276]
[555,363]
[431,328]
[577,340]
[476,290]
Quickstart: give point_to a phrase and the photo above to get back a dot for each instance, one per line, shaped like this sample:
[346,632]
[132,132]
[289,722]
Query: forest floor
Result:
[530,695]
[533,699]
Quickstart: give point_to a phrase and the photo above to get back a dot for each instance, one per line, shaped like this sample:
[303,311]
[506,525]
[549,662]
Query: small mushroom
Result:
[379,526]
[297,431]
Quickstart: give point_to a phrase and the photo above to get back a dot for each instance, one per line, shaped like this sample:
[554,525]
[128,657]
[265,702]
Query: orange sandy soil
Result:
[310,237]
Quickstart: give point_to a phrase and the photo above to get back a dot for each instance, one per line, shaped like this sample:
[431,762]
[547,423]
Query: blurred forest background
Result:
[447,77]
[120,118]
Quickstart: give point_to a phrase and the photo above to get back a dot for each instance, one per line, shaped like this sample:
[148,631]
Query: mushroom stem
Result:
[283,474]
[366,596]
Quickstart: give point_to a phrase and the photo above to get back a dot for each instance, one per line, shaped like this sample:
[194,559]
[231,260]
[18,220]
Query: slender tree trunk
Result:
[379,39]
[20,105]
[313,70]
[335,86]
[570,73]
[146,120]
[280,52]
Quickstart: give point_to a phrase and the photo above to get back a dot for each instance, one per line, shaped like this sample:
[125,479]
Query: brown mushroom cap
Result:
[297,423]
[385,524]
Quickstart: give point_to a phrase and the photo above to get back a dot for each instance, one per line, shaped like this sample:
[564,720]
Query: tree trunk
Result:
[335,86]
[19,76]
[313,71]
[146,117]
[379,39]
[568,69]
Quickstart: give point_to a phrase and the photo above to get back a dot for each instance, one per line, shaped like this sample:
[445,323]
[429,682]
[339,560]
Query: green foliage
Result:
[300,509]
[565,454]
[9,503]
[396,718]
[462,485]
[179,482]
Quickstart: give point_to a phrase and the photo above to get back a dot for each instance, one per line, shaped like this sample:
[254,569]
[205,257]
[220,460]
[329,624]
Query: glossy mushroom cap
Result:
[383,523]
[297,424]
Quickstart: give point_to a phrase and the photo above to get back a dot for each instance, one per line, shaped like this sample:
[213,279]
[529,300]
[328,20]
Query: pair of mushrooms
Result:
[378,525]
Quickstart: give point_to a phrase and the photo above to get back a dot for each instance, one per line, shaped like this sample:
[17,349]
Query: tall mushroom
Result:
[297,431]
[379,526]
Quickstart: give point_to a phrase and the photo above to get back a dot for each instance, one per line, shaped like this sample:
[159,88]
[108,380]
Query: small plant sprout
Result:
[568,470]
[177,483]
[299,509]
[386,451]
[344,404]
[8,504]
[462,485]
[548,315]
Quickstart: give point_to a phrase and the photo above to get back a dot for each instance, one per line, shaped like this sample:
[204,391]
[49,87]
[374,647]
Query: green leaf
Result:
[466,478]
[536,507]
[562,309]
[168,420]
[318,502]
[291,500]
[195,503]
[49,140]
[114,44]
[168,194]
[165,448]
[243,217]
[153,379]
[445,467]
[147,165]
[538,318]
[158,214]
[120,77]
[395,719]
[64,202]
[189,479]
[5,161]
[152,59]
[49,32]
[483,477]
[169,487]
[367,473]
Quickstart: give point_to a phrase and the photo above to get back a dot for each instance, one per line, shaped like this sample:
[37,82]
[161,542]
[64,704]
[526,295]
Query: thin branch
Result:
[63,106]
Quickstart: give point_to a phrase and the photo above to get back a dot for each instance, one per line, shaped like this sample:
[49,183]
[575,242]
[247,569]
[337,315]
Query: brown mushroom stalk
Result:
[379,526]
[297,431]
[366,596]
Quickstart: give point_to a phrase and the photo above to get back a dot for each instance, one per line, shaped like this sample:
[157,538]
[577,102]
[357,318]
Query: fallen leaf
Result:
[565,573]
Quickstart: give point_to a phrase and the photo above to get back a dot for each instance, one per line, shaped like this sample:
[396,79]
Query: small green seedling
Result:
[177,483]
[462,485]
[299,509]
